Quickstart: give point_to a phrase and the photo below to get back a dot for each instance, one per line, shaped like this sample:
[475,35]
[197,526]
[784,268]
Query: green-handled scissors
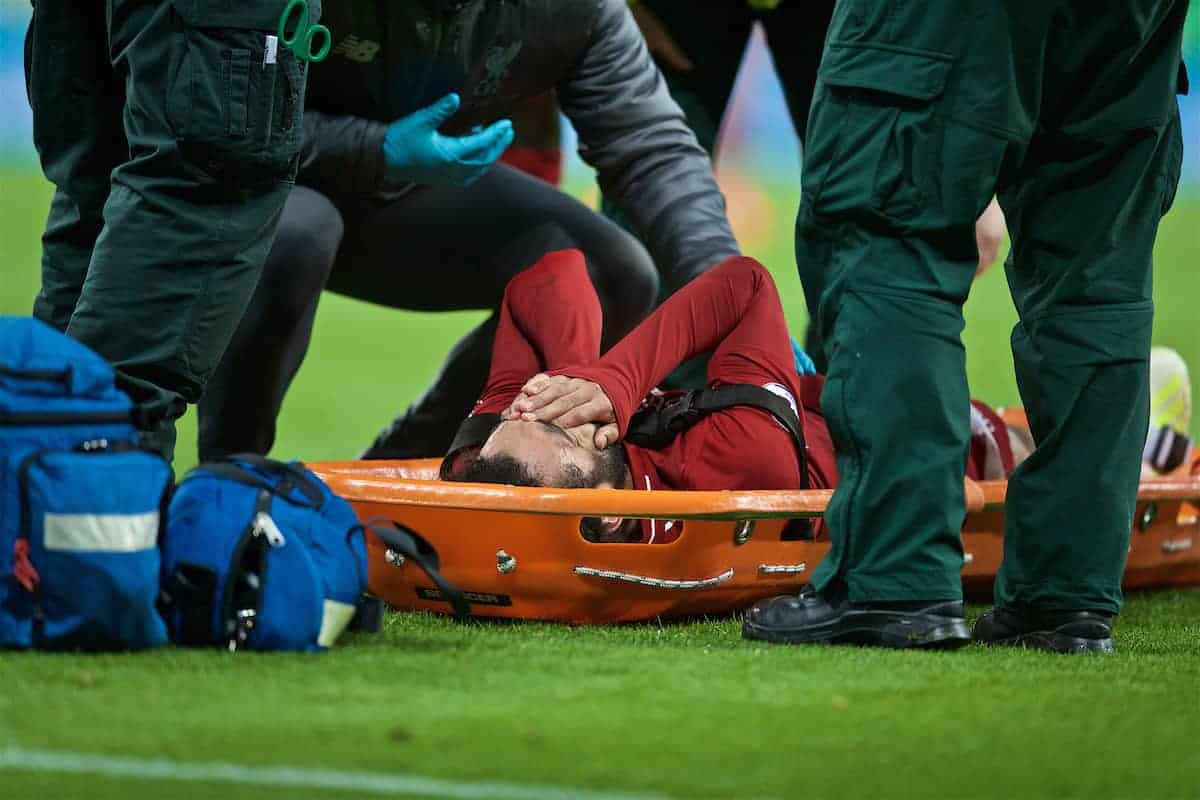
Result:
[301,41]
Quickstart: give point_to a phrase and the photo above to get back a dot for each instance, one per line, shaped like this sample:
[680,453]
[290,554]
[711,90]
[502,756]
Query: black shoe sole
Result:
[1054,642]
[894,629]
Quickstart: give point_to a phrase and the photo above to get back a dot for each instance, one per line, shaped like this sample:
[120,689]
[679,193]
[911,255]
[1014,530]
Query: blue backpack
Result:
[81,503]
[261,555]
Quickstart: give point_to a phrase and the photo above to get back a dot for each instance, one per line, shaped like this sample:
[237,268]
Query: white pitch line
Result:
[393,783]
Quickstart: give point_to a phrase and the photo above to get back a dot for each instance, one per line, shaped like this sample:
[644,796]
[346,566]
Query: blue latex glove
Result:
[804,364]
[415,151]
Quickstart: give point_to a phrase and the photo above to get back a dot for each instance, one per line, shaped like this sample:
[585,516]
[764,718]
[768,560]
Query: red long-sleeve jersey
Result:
[550,322]
[550,316]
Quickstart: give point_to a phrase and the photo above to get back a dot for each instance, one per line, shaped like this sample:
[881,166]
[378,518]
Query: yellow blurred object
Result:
[1170,390]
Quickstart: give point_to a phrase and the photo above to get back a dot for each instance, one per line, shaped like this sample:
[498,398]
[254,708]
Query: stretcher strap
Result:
[420,552]
[656,424]
[657,583]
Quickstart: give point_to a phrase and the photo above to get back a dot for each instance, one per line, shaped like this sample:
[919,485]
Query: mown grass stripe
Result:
[396,784]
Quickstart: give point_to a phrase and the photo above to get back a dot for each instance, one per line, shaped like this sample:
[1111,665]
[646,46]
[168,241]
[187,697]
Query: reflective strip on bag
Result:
[334,618]
[101,533]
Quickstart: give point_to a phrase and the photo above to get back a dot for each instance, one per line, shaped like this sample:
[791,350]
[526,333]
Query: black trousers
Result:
[434,249]
[714,36]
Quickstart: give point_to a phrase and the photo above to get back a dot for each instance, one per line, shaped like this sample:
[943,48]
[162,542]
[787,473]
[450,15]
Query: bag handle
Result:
[227,467]
[408,544]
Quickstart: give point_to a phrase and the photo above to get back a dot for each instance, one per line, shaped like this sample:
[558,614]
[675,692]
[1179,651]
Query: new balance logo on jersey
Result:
[361,50]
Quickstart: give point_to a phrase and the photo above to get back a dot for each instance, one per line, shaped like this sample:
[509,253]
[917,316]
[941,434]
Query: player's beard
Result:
[607,469]
[610,467]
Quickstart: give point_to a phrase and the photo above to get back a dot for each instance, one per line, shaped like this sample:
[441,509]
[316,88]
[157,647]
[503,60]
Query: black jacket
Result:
[392,57]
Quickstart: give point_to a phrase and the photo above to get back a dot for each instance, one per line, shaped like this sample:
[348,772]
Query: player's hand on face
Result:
[602,435]
[512,412]
[566,402]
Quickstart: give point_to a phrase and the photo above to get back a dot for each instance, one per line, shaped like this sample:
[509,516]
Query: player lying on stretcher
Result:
[555,413]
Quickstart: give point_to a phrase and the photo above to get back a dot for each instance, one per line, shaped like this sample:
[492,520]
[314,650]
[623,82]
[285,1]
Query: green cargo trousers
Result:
[170,130]
[922,112]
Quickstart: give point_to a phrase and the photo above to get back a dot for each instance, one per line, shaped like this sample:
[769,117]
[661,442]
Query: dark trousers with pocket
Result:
[170,131]
[436,248]
[714,36]
[922,113]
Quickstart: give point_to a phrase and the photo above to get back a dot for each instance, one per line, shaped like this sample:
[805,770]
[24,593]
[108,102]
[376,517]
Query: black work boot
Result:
[402,439]
[1055,631]
[427,428]
[811,618]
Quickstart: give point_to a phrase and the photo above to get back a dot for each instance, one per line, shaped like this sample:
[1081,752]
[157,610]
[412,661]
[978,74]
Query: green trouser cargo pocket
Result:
[236,92]
[873,138]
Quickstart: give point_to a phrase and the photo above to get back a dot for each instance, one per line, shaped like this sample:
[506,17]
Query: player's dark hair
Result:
[468,465]
[492,469]
[507,470]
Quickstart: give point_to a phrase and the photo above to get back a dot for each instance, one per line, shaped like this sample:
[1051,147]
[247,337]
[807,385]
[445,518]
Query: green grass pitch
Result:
[679,710]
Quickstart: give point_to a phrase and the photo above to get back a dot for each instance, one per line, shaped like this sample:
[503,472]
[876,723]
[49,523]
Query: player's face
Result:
[559,458]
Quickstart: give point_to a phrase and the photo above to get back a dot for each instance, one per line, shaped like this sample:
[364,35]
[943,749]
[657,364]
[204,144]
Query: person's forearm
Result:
[692,321]
[341,154]
[556,307]
[550,317]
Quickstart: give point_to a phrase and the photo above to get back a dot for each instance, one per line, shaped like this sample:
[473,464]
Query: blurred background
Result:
[366,363]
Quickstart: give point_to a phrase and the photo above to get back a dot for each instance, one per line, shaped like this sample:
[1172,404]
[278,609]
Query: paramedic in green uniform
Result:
[922,112]
[170,130]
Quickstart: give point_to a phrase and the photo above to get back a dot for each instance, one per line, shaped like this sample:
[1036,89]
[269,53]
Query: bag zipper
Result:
[39,616]
[239,623]
[264,525]
[23,569]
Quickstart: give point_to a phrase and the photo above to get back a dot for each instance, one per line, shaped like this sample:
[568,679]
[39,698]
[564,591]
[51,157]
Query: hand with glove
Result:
[415,151]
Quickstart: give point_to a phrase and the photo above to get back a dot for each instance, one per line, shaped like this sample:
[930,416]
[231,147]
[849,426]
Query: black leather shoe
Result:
[809,618]
[1055,631]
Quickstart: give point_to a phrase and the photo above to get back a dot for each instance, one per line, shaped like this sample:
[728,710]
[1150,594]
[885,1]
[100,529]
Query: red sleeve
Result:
[732,309]
[540,162]
[550,316]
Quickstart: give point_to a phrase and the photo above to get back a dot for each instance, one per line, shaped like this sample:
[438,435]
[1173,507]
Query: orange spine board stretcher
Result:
[518,552]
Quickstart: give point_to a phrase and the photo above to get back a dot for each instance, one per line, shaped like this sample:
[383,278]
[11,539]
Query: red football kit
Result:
[550,321]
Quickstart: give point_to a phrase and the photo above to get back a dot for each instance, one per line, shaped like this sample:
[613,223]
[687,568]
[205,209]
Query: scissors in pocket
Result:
[301,40]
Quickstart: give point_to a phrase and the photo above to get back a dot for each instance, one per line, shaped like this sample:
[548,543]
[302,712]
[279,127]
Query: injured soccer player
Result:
[557,413]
